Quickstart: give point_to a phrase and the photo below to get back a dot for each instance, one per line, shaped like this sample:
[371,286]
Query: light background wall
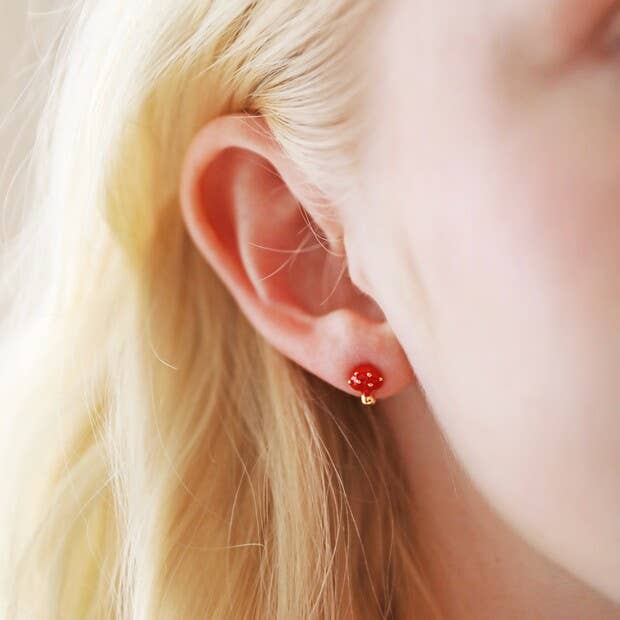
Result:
[12,30]
[27,28]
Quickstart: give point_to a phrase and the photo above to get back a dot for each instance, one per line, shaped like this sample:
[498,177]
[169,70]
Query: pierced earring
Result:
[365,378]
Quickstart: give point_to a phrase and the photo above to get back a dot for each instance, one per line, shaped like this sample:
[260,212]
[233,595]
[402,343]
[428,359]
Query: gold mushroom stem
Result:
[368,399]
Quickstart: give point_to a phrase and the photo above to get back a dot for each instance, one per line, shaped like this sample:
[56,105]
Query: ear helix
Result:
[366,379]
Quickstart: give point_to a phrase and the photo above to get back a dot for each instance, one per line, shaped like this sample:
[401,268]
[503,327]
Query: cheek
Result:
[513,231]
[532,247]
[524,292]
[512,317]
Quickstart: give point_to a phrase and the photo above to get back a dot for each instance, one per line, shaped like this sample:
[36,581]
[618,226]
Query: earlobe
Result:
[243,205]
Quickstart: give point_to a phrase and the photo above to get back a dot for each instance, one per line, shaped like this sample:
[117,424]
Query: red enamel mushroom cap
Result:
[366,379]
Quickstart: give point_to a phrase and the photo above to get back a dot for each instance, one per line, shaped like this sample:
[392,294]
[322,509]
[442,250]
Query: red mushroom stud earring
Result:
[365,378]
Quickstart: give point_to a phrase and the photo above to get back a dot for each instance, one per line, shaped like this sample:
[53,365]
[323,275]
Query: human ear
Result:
[277,245]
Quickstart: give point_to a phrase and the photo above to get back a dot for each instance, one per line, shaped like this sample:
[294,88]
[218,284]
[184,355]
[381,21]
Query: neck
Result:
[476,565]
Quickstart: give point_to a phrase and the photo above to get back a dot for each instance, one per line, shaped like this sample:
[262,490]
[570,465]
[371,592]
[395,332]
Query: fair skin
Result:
[483,249]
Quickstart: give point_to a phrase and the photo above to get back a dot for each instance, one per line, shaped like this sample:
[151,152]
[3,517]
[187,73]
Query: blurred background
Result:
[12,35]
[28,29]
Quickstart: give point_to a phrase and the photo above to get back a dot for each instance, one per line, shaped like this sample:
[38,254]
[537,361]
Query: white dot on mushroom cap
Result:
[369,374]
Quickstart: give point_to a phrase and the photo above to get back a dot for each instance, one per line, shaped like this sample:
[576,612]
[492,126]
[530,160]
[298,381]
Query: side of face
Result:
[490,185]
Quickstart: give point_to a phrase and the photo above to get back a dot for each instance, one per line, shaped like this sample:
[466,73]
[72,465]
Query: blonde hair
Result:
[163,460]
